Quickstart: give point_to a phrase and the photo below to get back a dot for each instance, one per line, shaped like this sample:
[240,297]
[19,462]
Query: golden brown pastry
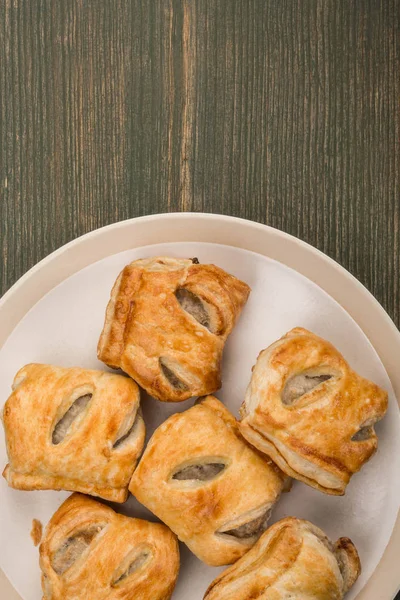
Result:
[292,559]
[89,552]
[72,429]
[167,323]
[201,478]
[310,412]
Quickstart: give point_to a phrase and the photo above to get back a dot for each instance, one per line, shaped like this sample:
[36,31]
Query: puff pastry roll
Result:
[201,478]
[292,559]
[91,552]
[72,429]
[167,323]
[310,412]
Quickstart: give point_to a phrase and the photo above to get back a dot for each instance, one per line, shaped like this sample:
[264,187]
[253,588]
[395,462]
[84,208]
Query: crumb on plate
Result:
[36,532]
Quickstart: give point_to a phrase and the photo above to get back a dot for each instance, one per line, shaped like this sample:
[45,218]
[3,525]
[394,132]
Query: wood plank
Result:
[281,111]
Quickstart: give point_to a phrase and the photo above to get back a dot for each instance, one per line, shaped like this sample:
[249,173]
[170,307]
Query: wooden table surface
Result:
[284,112]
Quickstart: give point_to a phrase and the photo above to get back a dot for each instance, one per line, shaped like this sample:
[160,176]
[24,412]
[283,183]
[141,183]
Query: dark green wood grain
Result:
[285,112]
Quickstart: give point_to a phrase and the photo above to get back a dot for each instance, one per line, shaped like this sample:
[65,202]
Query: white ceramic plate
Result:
[54,314]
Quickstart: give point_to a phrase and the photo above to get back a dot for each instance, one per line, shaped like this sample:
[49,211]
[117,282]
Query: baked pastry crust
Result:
[206,483]
[167,323]
[89,551]
[310,412]
[292,559]
[73,429]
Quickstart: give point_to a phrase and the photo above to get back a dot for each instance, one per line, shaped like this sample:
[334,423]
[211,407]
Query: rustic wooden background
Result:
[285,112]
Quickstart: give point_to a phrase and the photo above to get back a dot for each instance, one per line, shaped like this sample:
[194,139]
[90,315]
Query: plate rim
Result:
[354,297]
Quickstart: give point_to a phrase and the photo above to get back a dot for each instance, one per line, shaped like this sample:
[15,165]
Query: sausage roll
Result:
[91,552]
[72,429]
[167,323]
[201,478]
[310,412]
[292,559]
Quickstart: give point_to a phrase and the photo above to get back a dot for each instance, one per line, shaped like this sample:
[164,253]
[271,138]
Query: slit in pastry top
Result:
[250,529]
[132,564]
[199,472]
[365,432]
[75,412]
[170,374]
[301,384]
[192,304]
[128,430]
[73,548]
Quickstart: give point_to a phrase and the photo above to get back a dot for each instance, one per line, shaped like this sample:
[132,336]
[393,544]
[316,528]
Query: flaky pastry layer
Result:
[292,559]
[73,429]
[167,322]
[202,479]
[91,552]
[310,412]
